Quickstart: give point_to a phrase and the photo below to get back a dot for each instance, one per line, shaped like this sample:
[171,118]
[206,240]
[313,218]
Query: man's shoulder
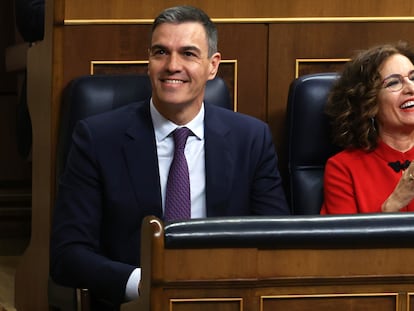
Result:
[350,158]
[233,117]
[116,116]
[113,124]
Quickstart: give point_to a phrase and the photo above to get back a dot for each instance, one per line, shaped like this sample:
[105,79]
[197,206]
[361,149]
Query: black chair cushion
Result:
[300,231]
[309,141]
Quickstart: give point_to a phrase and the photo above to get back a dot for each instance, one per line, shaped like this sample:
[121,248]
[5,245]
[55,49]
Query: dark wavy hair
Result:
[352,103]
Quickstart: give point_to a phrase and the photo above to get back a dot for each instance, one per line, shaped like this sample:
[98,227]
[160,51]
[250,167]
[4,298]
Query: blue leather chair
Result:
[309,143]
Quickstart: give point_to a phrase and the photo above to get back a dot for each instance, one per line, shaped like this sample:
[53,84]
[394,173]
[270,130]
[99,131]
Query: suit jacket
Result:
[111,182]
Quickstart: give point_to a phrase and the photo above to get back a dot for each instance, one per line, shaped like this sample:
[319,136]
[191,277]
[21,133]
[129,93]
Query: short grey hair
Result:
[186,13]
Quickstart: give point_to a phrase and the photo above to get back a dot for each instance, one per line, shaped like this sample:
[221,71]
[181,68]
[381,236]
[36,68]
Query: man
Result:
[119,164]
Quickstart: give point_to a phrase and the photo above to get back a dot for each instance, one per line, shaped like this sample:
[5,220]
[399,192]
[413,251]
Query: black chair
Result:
[93,94]
[309,143]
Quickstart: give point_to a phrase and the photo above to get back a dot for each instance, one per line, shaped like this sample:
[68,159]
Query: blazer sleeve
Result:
[267,194]
[339,195]
[76,250]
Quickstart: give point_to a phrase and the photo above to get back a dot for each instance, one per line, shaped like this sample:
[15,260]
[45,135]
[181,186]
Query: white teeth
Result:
[407,105]
[173,81]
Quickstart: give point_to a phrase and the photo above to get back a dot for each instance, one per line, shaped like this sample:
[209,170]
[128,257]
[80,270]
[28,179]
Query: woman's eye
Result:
[392,83]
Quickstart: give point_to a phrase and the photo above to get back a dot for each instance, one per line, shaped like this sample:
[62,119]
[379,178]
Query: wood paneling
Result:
[218,304]
[15,170]
[356,302]
[84,44]
[251,64]
[131,9]
[12,166]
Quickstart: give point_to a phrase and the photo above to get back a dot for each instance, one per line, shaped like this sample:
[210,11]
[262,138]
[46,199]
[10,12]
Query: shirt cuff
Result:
[131,290]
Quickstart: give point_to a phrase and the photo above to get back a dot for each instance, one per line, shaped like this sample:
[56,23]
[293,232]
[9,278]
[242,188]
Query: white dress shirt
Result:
[194,153]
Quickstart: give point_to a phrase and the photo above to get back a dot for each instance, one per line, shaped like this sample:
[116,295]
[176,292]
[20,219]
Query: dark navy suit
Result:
[111,182]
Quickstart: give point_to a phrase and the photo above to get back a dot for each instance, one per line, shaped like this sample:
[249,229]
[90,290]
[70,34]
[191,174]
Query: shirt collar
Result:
[163,127]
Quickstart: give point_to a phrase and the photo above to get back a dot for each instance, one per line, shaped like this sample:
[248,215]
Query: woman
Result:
[372,111]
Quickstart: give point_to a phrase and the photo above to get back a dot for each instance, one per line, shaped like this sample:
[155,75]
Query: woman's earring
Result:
[373,123]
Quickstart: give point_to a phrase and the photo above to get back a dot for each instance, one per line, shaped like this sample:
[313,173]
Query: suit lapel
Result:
[219,164]
[141,157]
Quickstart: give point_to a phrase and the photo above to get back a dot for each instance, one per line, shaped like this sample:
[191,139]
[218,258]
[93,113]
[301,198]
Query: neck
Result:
[401,143]
[179,114]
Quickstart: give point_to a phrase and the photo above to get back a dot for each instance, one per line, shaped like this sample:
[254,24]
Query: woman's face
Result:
[396,106]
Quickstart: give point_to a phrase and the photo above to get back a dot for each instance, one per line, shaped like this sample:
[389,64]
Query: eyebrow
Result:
[157,46]
[398,75]
[183,48]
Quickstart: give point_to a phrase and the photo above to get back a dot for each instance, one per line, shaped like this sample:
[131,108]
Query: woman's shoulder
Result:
[349,157]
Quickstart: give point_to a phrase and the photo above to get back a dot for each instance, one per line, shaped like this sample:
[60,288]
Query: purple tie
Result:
[177,199]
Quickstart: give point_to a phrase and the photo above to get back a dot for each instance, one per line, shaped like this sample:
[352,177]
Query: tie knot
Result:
[180,137]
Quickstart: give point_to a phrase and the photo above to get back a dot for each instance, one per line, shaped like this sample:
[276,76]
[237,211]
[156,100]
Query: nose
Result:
[173,62]
[408,85]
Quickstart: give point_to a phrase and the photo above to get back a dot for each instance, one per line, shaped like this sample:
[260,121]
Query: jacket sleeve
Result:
[77,258]
[339,196]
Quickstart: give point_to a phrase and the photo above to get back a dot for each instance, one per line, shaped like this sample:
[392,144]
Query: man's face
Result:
[179,66]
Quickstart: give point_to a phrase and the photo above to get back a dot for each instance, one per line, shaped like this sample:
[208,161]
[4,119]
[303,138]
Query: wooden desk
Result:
[268,279]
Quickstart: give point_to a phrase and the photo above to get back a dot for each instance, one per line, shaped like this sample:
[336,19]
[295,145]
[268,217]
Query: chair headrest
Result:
[309,135]
[93,94]
[309,141]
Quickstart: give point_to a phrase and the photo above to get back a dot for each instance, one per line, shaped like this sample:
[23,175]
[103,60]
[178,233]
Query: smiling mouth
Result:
[173,81]
[406,105]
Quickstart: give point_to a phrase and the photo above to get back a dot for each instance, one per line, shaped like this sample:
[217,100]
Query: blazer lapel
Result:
[141,157]
[219,164]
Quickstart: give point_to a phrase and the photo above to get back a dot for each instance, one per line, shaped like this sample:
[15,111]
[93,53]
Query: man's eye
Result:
[158,52]
[189,54]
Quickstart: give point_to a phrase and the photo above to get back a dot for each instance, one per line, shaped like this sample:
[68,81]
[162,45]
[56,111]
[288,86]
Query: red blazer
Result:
[359,182]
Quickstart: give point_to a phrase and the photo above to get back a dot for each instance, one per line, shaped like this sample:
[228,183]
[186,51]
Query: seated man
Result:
[118,170]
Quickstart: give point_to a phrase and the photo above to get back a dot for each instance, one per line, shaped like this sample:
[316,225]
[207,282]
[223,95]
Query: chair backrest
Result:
[309,141]
[92,94]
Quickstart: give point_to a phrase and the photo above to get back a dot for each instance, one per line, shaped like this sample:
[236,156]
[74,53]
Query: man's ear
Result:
[214,65]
